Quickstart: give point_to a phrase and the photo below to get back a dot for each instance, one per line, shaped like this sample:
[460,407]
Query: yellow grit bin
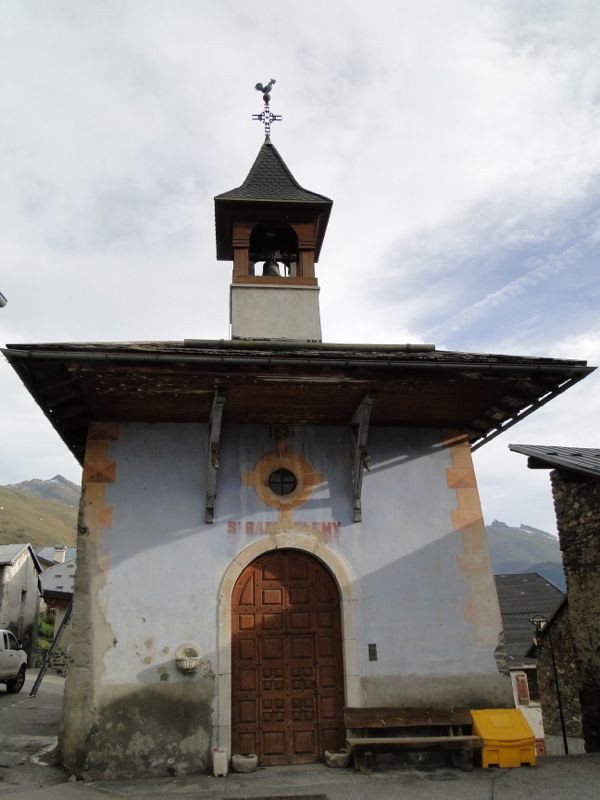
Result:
[508,741]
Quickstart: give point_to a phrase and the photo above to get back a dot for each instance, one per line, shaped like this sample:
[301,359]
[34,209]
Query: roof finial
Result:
[266,117]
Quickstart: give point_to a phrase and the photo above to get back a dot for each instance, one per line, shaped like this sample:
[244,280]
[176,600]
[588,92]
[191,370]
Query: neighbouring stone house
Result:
[20,592]
[558,681]
[273,527]
[575,479]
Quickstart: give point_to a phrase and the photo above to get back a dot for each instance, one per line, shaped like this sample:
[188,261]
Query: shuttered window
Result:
[522,690]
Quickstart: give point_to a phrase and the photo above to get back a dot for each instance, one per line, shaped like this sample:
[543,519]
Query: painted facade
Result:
[414,579]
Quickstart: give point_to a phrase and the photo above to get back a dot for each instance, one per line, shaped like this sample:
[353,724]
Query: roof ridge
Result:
[268,143]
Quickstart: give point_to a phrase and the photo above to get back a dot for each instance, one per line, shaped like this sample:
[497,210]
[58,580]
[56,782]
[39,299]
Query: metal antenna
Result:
[266,116]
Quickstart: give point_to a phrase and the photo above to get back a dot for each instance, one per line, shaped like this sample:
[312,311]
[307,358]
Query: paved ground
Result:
[28,727]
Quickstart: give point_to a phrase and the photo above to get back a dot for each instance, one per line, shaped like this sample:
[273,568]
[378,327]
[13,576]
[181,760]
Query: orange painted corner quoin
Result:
[481,607]
[98,471]
[287,673]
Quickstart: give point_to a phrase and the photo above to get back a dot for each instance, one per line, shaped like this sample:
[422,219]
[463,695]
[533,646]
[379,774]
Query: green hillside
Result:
[26,518]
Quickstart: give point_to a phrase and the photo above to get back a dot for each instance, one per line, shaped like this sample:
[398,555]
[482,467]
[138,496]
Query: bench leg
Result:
[366,763]
[463,759]
[361,760]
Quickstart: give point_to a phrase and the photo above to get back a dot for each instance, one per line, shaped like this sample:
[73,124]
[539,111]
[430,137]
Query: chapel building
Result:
[273,527]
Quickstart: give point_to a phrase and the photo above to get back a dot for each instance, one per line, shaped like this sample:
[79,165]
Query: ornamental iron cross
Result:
[266,116]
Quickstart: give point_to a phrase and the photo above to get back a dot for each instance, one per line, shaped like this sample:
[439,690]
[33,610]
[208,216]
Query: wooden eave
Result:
[285,383]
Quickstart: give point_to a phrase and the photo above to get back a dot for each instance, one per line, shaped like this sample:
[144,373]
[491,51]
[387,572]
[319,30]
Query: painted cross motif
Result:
[285,463]
[266,116]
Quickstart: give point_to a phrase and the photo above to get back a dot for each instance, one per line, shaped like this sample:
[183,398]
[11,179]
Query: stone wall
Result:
[577,505]
[566,674]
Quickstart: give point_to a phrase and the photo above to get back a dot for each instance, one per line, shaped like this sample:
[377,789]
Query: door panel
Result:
[287,688]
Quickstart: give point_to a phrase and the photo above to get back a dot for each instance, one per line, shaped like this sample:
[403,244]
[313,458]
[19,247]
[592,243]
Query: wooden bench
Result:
[380,730]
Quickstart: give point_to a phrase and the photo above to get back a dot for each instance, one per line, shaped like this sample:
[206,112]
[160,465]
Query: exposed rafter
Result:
[533,406]
[286,383]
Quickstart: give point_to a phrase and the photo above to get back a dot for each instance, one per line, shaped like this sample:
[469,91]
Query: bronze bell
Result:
[271,268]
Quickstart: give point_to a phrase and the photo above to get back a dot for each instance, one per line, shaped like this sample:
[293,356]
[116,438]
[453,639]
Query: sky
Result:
[460,142]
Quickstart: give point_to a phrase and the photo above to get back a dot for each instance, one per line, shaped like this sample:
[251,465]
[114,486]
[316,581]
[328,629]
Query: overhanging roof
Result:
[583,460]
[283,383]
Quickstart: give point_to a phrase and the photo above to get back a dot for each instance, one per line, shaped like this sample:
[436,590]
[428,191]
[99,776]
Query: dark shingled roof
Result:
[270,179]
[58,582]
[520,597]
[583,460]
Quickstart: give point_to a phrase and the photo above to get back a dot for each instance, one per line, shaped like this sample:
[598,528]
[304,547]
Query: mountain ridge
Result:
[59,489]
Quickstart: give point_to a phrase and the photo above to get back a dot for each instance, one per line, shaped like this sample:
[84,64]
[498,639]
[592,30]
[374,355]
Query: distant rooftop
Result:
[9,553]
[58,581]
[583,460]
[48,553]
[520,597]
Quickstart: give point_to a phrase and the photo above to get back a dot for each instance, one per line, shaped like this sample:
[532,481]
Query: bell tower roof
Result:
[270,179]
[269,192]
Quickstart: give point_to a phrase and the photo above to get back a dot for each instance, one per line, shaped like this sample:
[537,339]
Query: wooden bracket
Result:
[359,429]
[214,437]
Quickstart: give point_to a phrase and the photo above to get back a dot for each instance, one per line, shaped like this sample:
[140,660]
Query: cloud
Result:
[458,141]
[529,280]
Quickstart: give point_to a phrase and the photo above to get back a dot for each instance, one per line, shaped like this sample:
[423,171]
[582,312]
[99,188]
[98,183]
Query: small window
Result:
[522,690]
[282,481]
[12,642]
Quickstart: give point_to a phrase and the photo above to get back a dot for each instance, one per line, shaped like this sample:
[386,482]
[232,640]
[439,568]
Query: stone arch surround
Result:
[342,574]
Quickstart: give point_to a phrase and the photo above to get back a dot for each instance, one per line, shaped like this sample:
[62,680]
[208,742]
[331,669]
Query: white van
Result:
[13,662]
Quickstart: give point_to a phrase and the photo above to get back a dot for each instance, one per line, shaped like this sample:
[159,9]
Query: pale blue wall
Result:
[166,563]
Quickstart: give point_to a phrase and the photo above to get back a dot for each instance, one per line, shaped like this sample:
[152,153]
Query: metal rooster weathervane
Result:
[266,116]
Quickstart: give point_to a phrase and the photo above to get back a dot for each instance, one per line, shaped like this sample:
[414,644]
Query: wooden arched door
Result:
[287,672]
